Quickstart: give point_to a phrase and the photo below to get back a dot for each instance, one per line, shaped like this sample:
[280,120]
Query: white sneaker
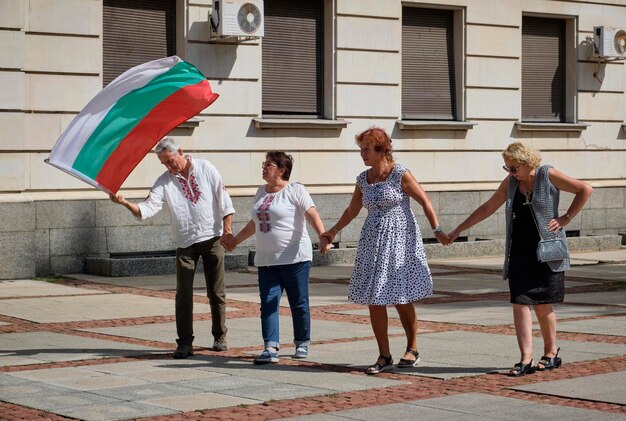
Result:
[301,352]
[267,356]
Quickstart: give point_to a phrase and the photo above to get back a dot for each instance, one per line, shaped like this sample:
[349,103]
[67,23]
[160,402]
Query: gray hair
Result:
[167,143]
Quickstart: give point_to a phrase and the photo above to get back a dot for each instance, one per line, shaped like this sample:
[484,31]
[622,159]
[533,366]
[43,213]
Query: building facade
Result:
[453,82]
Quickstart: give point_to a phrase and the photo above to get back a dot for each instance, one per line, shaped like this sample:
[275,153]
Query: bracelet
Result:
[568,216]
[333,229]
[437,229]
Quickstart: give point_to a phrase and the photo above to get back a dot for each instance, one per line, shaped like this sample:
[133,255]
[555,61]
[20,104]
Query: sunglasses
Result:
[512,170]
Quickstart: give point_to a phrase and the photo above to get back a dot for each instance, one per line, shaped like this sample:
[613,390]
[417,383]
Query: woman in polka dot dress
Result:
[390,266]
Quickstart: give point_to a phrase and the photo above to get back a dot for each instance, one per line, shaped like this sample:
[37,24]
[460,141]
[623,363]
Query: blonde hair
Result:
[523,154]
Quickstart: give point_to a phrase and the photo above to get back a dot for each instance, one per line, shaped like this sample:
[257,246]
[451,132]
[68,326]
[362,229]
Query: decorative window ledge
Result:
[190,124]
[434,125]
[624,127]
[299,123]
[550,127]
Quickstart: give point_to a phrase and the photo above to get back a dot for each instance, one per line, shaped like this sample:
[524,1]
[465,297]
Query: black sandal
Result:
[404,363]
[549,363]
[521,369]
[377,368]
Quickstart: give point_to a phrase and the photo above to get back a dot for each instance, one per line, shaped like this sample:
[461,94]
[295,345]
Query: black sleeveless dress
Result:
[530,281]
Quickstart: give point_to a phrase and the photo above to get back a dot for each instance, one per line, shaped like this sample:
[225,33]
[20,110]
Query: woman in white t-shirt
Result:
[283,253]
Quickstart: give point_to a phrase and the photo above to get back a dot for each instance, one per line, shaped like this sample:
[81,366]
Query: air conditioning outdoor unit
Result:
[609,42]
[237,18]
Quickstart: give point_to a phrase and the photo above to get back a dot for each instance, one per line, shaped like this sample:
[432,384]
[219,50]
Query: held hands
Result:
[443,238]
[324,244]
[454,234]
[228,241]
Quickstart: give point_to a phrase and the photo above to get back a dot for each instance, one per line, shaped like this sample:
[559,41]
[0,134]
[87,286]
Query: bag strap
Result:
[532,212]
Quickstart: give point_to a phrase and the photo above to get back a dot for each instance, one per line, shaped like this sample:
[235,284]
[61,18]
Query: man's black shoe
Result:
[183,351]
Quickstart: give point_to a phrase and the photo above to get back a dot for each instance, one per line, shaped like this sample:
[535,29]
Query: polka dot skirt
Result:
[390,265]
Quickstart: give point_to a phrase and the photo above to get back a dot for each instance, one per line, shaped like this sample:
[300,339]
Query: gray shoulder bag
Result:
[549,250]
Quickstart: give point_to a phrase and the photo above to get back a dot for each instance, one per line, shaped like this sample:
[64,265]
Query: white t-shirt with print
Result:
[281,235]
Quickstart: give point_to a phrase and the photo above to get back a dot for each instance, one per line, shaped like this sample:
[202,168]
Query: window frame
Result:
[458,39]
[171,48]
[570,92]
[327,117]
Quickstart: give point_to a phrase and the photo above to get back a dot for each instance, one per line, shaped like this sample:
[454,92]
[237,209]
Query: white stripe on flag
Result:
[83,125]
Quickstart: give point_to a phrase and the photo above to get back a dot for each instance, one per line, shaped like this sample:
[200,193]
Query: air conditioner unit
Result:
[609,42]
[237,18]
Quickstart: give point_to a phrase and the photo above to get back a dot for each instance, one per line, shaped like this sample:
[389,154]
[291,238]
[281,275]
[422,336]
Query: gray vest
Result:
[545,203]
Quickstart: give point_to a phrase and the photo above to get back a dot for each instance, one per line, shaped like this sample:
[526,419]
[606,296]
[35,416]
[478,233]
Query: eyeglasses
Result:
[512,170]
[268,165]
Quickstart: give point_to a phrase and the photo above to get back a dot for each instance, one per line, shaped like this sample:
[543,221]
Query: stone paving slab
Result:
[40,347]
[320,294]
[243,332]
[166,282]
[470,283]
[466,406]
[604,256]
[200,400]
[604,297]
[480,283]
[202,382]
[90,307]
[454,354]
[615,326]
[345,271]
[488,312]
[607,272]
[122,410]
[30,288]
[303,376]
[609,387]
[494,263]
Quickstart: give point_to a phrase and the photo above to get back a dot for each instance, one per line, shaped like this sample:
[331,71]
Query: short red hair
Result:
[378,139]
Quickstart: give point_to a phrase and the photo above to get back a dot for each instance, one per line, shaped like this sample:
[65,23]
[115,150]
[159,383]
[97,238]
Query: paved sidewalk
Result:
[94,348]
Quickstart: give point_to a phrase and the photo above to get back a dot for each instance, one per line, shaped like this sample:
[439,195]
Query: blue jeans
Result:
[294,279]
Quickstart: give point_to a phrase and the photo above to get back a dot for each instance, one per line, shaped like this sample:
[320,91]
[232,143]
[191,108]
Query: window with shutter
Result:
[543,69]
[135,32]
[292,54]
[428,69]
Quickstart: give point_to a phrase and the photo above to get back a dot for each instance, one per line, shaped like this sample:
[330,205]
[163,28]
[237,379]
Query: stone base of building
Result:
[58,237]
[165,265]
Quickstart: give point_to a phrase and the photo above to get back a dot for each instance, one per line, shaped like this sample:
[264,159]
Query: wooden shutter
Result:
[428,81]
[292,57]
[135,32]
[543,70]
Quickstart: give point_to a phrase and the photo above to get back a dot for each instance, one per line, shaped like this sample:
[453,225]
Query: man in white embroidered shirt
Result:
[199,204]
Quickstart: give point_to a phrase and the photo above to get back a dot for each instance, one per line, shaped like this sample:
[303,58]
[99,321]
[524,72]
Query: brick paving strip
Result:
[419,387]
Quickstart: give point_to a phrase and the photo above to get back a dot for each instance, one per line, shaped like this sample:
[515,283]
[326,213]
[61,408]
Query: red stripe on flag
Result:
[162,119]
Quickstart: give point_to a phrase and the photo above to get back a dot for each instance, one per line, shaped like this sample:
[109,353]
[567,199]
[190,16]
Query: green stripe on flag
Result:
[128,112]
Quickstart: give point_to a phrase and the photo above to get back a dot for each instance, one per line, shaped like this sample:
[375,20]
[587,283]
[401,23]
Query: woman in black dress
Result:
[530,187]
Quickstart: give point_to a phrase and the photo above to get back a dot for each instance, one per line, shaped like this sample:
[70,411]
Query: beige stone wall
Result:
[51,61]
[51,66]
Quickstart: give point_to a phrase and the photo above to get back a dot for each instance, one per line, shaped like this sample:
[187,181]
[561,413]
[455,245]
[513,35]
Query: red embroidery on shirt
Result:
[190,189]
[265,221]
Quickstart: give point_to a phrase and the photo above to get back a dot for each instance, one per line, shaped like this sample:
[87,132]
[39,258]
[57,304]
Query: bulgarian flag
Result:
[121,124]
